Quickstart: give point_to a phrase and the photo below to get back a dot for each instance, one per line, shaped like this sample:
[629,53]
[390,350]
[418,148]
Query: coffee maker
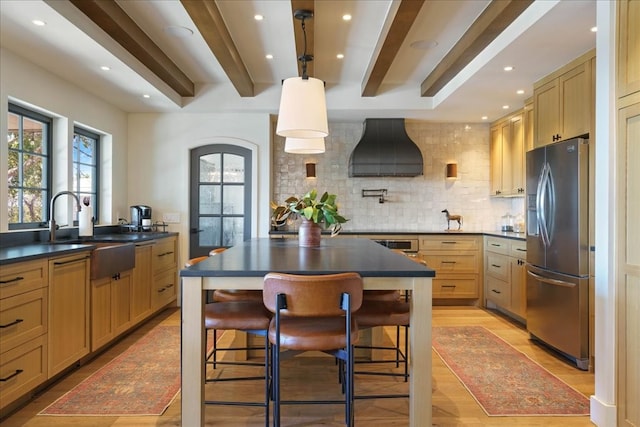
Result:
[141,217]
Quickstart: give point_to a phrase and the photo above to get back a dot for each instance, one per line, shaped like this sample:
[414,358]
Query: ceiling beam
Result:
[400,26]
[120,27]
[207,17]
[495,18]
[299,36]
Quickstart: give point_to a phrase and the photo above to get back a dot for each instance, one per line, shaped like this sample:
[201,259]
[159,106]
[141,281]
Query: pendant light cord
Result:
[304,57]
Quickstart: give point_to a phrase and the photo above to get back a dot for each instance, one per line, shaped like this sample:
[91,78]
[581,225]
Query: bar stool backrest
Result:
[312,296]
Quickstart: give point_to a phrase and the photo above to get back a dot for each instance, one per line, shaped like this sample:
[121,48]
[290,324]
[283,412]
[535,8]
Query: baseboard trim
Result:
[603,414]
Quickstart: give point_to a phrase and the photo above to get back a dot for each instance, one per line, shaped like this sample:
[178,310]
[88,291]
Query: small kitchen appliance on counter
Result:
[141,218]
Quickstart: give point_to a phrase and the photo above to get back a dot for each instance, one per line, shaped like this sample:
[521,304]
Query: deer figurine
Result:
[452,218]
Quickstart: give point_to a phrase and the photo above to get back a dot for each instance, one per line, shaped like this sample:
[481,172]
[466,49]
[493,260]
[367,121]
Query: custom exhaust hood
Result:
[385,149]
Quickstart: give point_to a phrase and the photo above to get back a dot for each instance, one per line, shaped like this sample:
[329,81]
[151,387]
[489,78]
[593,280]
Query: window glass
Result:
[28,174]
[86,167]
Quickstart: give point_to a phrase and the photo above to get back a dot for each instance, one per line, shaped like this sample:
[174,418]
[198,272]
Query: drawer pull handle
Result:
[161,290]
[58,263]
[16,373]
[448,286]
[448,262]
[496,244]
[494,291]
[521,250]
[15,322]
[449,243]
[166,253]
[496,265]
[15,279]
[169,286]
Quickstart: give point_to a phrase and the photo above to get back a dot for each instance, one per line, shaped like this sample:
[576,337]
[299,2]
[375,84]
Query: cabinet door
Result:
[495,152]
[546,113]
[121,297]
[628,47]
[68,311]
[507,167]
[141,283]
[517,157]
[575,101]
[518,287]
[101,303]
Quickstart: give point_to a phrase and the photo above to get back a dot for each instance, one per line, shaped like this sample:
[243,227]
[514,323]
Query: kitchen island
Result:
[244,266]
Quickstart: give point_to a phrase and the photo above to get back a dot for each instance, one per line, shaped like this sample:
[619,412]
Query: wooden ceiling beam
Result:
[208,19]
[299,36]
[496,17]
[120,27]
[400,26]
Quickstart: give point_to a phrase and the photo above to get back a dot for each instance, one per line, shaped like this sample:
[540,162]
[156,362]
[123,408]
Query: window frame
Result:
[23,112]
[95,191]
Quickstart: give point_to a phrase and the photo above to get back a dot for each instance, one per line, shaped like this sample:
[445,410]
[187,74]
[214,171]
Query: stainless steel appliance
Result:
[408,245]
[141,218]
[558,248]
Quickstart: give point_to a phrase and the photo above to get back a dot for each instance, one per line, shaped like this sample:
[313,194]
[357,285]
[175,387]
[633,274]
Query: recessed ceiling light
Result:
[424,44]
[520,92]
[105,68]
[484,118]
[268,56]
[594,29]
[508,68]
[146,95]
[346,17]
[178,32]
[39,22]
[340,56]
[505,107]
[258,17]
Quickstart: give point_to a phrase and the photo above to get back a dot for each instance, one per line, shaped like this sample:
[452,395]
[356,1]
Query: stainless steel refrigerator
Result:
[558,248]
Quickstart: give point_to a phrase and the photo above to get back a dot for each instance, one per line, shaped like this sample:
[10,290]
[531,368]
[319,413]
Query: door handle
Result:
[195,230]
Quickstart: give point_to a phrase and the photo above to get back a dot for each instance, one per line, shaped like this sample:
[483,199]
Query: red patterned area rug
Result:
[503,380]
[143,380]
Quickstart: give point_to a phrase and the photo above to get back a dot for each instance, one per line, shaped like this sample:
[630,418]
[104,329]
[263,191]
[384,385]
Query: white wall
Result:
[159,153]
[24,83]
[414,204]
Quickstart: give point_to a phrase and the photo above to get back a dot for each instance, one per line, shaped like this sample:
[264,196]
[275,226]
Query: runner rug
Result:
[503,380]
[143,380]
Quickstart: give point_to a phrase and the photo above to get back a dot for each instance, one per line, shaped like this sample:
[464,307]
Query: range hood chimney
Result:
[385,149]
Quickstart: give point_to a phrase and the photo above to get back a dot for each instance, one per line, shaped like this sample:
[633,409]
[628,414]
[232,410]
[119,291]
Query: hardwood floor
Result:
[452,404]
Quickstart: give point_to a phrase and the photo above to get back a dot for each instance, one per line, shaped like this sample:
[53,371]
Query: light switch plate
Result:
[171,217]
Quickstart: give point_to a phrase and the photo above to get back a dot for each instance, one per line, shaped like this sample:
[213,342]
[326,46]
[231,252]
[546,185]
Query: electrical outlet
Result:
[171,218]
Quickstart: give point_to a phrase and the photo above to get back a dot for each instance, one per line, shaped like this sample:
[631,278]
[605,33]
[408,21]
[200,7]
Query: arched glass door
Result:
[220,202]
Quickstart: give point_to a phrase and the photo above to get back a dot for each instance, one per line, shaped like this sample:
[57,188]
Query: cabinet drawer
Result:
[459,286]
[500,246]
[164,289]
[499,292]
[445,243]
[518,249]
[22,317]
[164,255]
[498,266]
[452,263]
[23,277]
[22,369]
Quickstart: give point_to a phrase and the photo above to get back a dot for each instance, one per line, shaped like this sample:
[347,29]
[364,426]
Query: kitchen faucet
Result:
[52,221]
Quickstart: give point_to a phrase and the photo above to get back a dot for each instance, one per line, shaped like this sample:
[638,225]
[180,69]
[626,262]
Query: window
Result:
[86,146]
[28,164]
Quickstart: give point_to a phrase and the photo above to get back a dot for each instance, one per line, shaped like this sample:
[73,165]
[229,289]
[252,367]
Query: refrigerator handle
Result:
[539,215]
[551,281]
[550,222]
[541,204]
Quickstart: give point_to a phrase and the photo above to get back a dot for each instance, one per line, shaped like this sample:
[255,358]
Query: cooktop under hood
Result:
[385,149]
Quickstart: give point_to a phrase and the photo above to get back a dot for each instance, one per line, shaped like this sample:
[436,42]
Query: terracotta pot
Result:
[309,234]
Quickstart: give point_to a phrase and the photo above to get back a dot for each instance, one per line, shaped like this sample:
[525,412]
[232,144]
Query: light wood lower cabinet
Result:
[457,261]
[23,328]
[69,316]
[505,275]
[141,280]
[165,272]
[110,308]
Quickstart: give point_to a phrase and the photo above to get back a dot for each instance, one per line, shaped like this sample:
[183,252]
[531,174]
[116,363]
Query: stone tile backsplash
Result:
[412,204]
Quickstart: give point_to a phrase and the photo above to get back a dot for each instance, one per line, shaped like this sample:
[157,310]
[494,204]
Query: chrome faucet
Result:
[52,221]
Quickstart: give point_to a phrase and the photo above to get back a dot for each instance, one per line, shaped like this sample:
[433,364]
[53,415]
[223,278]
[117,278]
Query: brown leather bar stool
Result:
[313,313]
[247,316]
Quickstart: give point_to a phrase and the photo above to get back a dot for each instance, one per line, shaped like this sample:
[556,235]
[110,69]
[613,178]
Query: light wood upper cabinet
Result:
[528,125]
[628,47]
[563,102]
[507,156]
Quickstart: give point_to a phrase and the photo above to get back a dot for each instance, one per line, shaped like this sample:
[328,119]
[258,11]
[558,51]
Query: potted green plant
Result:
[315,213]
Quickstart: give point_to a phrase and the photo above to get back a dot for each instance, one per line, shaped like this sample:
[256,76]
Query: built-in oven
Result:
[408,245]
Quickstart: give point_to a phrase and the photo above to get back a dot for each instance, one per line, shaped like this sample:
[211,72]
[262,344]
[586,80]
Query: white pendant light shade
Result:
[303,109]
[304,145]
